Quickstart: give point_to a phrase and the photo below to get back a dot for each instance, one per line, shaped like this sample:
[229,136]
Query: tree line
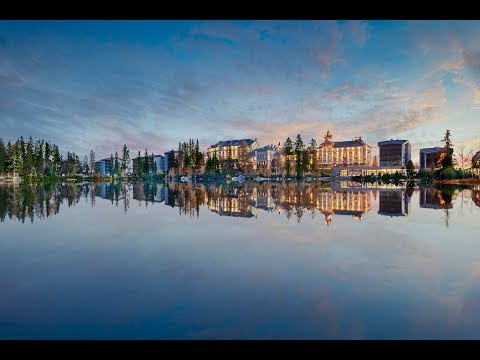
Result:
[34,158]
[300,159]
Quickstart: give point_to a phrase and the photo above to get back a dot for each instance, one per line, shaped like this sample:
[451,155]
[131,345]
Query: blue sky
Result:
[99,84]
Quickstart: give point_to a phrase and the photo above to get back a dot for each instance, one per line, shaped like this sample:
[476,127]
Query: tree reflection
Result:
[245,200]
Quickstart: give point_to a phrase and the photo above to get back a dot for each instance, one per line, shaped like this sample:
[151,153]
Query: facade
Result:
[222,149]
[476,163]
[348,171]
[105,166]
[432,157]
[278,160]
[264,157]
[394,152]
[343,153]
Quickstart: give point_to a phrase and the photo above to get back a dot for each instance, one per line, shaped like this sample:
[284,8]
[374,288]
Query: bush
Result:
[425,175]
[449,173]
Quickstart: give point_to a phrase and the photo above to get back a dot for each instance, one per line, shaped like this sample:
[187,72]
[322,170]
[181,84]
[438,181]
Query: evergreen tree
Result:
[410,169]
[57,160]
[313,156]
[180,156]
[146,165]
[39,157]
[112,165]
[3,157]
[298,150]
[28,162]
[116,167]
[139,165]
[172,162]
[447,161]
[198,156]
[126,159]
[92,162]
[15,163]
[288,152]
[47,156]
[9,157]
[23,150]
[216,162]
[243,155]
[305,161]
[229,163]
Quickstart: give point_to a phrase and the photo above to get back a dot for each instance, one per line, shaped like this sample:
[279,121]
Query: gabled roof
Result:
[267,147]
[476,157]
[392,142]
[233,142]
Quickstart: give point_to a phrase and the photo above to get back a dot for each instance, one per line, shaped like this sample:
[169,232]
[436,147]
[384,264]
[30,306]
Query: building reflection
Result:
[393,202]
[476,195]
[247,200]
[431,198]
[353,203]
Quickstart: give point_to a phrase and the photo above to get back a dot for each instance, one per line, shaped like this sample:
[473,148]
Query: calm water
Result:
[259,261]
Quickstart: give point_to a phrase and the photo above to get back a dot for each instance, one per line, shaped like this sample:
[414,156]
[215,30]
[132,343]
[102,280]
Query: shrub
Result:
[449,173]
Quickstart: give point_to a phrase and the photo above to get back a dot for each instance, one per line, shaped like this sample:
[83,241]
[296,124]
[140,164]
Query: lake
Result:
[256,261]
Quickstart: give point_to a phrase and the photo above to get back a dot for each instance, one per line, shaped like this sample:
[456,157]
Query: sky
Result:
[96,85]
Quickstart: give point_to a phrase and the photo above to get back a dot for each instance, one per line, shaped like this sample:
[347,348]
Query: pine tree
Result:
[288,152]
[92,162]
[298,150]
[198,156]
[146,165]
[243,155]
[57,159]
[15,163]
[3,157]
[116,167]
[112,165]
[28,163]
[180,156]
[313,156]
[139,165]
[447,161]
[47,157]
[410,169]
[126,159]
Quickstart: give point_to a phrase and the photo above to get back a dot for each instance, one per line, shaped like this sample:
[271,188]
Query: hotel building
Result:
[343,153]
[264,157]
[222,148]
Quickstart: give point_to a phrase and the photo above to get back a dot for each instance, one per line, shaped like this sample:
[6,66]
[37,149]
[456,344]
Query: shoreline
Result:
[458,181]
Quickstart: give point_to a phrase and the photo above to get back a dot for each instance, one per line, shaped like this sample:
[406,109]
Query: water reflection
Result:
[246,201]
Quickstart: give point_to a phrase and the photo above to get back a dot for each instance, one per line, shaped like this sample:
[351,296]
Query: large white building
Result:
[343,153]
[264,157]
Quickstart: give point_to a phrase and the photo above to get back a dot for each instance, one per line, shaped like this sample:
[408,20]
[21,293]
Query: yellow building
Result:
[222,148]
[343,153]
